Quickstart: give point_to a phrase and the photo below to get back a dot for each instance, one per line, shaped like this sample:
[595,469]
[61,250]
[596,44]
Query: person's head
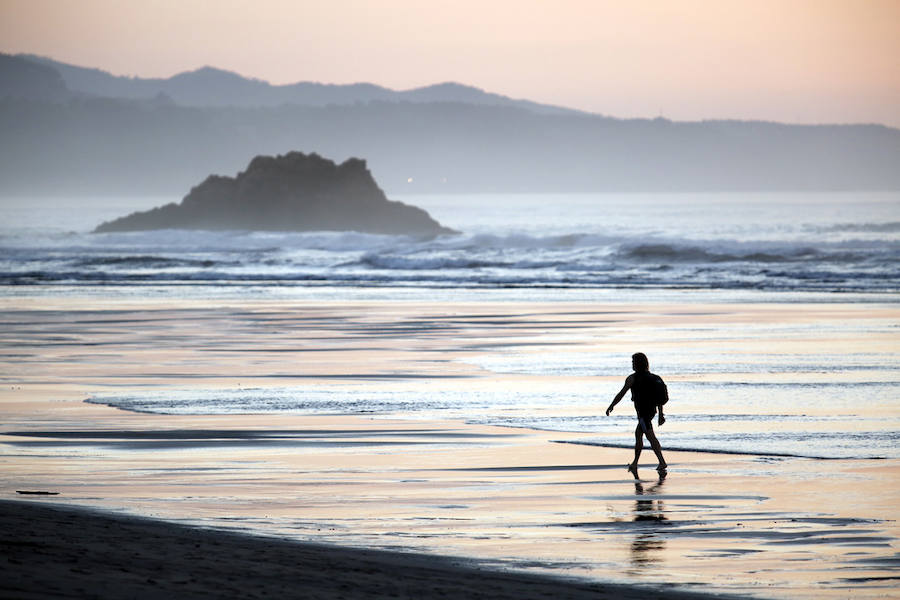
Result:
[639,362]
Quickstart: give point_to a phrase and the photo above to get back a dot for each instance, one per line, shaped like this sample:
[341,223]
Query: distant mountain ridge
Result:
[31,80]
[213,87]
[90,137]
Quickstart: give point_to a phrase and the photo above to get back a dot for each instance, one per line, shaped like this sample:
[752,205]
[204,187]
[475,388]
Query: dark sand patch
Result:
[236,438]
[55,551]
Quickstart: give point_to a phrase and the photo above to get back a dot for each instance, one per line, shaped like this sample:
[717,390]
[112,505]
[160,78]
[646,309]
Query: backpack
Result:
[652,389]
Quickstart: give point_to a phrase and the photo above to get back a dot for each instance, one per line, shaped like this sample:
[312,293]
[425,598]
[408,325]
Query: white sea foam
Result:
[747,418]
[772,243]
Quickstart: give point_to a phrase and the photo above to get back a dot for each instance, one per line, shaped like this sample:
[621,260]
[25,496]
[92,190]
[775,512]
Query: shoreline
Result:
[225,294]
[716,451]
[430,495]
[507,497]
[53,550]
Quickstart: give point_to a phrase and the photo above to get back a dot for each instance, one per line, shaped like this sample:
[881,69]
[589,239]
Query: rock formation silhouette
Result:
[290,192]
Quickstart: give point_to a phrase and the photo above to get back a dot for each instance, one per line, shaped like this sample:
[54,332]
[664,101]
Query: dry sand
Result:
[506,499]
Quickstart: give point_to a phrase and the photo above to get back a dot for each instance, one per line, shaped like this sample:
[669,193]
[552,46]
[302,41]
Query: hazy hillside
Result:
[88,145]
[208,86]
[31,80]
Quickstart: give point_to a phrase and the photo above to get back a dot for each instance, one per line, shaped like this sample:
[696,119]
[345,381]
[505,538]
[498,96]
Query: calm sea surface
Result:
[720,248]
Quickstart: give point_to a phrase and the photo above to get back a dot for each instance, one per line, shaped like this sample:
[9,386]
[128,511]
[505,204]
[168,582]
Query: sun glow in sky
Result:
[806,61]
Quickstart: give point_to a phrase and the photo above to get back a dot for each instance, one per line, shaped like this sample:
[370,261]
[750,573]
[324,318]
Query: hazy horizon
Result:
[251,77]
[799,62]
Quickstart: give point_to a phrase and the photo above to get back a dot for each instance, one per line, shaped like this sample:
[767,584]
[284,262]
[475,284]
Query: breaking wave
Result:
[771,242]
[479,260]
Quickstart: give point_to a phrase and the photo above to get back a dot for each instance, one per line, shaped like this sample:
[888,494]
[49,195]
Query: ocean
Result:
[777,401]
[843,245]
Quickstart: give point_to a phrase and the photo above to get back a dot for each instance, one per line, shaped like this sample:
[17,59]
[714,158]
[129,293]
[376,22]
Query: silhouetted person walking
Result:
[649,393]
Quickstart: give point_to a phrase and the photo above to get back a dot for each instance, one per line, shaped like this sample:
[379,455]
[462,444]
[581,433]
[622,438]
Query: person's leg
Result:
[638,446]
[657,449]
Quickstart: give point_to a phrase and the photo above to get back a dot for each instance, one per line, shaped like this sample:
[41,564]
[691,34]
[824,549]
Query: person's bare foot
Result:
[632,468]
[662,467]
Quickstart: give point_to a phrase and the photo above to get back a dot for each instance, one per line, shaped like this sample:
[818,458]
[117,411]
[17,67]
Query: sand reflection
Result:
[649,513]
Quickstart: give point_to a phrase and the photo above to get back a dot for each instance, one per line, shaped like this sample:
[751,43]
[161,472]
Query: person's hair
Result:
[640,361]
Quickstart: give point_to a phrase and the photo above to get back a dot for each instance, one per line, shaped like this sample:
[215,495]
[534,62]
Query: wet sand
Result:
[55,551]
[505,499]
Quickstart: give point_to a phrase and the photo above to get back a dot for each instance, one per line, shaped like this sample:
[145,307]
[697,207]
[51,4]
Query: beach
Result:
[501,500]
[53,551]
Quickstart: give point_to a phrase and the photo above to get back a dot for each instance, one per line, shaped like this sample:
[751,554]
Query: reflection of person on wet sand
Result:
[647,509]
[644,393]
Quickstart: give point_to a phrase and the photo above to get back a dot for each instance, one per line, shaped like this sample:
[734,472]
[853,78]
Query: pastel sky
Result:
[798,61]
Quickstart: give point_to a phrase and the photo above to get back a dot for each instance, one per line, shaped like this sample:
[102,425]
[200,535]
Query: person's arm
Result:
[621,394]
[659,408]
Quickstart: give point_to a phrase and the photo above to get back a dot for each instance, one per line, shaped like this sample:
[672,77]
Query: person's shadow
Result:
[647,545]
